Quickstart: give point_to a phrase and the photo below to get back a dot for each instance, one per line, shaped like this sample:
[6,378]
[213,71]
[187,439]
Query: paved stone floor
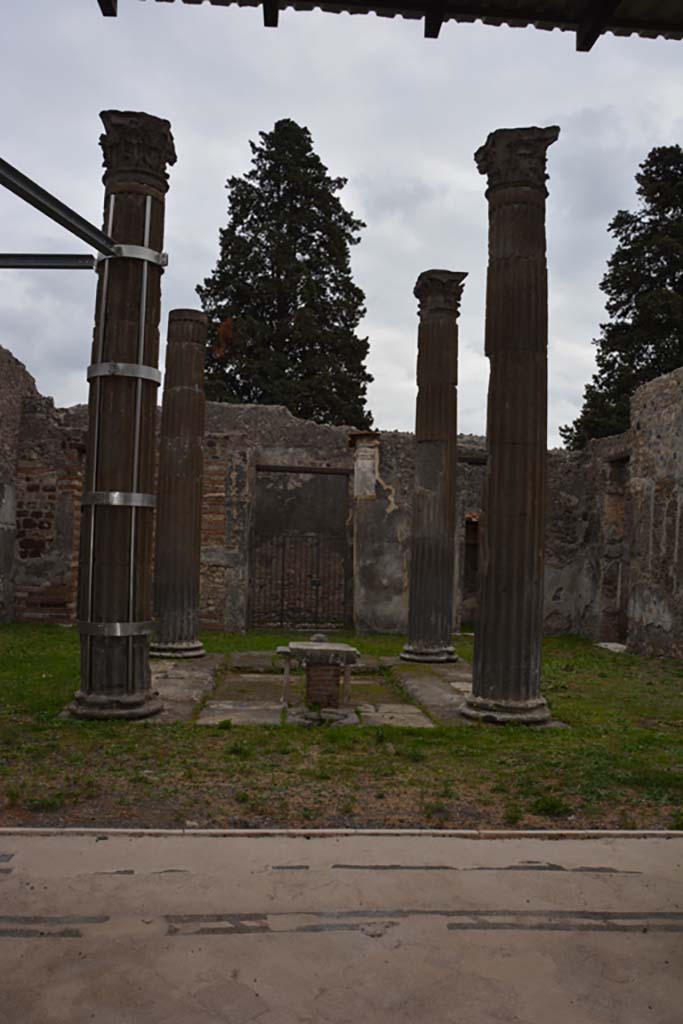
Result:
[249,689]
[336,930]
[182,685]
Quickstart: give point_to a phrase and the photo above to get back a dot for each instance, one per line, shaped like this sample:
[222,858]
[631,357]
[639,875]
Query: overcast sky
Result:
[398,115]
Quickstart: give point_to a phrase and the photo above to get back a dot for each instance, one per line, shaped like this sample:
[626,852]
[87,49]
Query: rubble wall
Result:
[655,485]
[614,537]
[16,387]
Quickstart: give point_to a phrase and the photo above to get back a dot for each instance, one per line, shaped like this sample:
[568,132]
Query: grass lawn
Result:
[620,765]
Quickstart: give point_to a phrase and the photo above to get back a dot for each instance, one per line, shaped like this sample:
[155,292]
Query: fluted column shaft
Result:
[430,612]
[508,635]
[179,500]
[115,569]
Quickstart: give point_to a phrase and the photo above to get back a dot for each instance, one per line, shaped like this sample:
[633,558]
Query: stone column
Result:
[179,502]
[115,569]
[430,612]
[508,636]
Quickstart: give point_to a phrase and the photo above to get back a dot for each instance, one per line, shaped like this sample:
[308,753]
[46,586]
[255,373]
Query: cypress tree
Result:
[644,287]
[283,308]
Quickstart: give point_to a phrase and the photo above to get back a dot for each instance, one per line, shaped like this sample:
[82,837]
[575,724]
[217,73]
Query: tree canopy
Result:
[644,287]
[283,308]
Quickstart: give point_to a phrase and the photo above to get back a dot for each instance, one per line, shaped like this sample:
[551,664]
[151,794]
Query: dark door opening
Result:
[300,563]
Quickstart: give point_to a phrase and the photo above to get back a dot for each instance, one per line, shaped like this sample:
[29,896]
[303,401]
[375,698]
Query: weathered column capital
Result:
[516,157]
[439,291]
[136,147]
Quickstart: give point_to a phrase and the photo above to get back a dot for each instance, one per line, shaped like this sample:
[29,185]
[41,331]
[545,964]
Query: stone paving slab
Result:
[334,717]
[261,713]
[366,663]
[182,685]
[240,713]
[397,714]
[267,687]
[432,690]
[262,686]
[254,661]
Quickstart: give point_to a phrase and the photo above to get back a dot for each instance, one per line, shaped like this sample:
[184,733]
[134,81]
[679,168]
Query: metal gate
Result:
[298,580]
[300,552]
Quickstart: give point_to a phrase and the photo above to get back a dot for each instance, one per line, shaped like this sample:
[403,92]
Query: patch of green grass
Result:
[550,806]
[512,815]
[435,809]
[377,645]
[620,764]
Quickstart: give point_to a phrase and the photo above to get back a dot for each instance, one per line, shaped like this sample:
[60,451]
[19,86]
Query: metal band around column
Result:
[136,252]
[124,370]
[115,628]
[120,499]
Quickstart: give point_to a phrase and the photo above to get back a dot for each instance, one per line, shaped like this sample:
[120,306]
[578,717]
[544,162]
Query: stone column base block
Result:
[322,685]
[180,649]
[130,706]
[501,712]
[413,652]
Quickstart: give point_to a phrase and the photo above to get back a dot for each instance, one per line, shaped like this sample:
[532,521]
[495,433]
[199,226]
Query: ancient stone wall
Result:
[16,387]
[586,569]
[586,564]
[240,440]
[614,536]
[382,523]
[49,474]
[655,518]
[382,518]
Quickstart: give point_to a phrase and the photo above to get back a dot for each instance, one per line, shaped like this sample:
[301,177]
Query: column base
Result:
[412,652]
[127,706]
[502,712]
[173,649]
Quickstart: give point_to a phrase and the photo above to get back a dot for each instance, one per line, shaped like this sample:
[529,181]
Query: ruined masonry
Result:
[613,535]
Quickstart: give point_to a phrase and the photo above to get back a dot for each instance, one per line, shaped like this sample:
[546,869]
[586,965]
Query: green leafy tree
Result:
[283,309]
[644,289]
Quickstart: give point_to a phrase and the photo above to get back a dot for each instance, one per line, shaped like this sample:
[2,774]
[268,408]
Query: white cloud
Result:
[398,115]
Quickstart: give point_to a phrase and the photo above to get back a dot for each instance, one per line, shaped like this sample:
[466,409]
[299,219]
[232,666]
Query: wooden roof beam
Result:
[271,12]
[594,22]
[108,7]
[434,16]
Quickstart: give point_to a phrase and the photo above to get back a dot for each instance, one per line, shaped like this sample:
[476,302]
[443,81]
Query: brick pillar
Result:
[508,636]
[432,561]
[115,569]
[179,503]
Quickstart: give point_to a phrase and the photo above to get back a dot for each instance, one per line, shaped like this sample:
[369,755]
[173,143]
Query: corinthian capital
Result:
[439,291]
[136,146]
[516,156]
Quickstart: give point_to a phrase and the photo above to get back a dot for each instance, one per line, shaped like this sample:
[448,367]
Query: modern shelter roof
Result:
[587,18]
